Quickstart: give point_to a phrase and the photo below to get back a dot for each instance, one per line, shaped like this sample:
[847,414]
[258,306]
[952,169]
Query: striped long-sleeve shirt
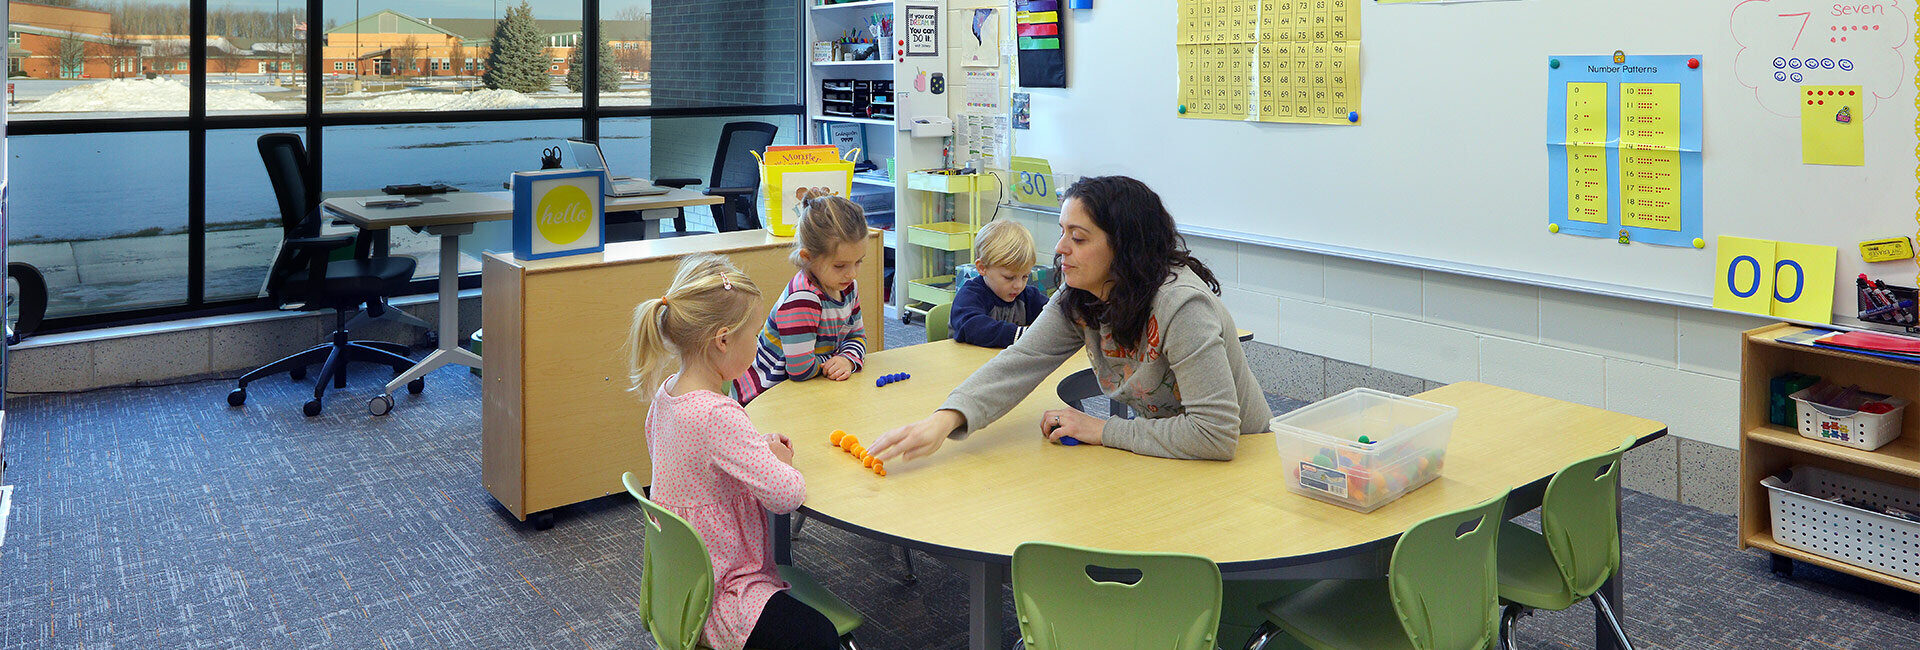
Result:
[804,331]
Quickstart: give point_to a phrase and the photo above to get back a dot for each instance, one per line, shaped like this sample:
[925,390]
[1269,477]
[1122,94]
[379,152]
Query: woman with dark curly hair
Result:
[1150,318]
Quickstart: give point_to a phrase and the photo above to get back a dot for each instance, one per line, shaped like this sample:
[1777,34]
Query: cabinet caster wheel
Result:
[906,317]
[236,397]
[380,405]
[297,374]
[311,408]
[417,385]
[542,520]
[1782,566]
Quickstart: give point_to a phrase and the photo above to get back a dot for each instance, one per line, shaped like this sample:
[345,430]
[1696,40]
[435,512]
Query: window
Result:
[206,247]
[13,37]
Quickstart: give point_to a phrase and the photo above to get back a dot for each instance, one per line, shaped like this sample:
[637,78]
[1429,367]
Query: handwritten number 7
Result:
[1804,17]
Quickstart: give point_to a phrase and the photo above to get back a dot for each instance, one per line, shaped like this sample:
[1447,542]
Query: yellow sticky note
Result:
[1803,281]
[1832,126]
[1743,280]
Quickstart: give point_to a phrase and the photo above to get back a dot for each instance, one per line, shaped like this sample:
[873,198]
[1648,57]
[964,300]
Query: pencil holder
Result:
[1887,304]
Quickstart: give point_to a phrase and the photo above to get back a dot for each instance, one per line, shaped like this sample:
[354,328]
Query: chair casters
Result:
[417,385]
[297,374]
[236,397]
[311,408]
[382,404]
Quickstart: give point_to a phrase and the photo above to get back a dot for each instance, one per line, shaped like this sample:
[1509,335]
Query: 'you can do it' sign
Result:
[558,212]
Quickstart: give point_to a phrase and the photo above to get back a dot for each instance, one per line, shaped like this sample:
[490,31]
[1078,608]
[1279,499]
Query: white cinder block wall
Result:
[1357,323]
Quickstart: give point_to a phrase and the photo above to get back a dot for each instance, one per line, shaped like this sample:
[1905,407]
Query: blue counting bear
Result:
[888,379]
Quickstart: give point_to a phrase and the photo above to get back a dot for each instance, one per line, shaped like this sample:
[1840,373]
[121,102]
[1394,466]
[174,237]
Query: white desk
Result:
[450,215]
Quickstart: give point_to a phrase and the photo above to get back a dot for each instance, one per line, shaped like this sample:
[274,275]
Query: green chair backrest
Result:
[1580,518]
[676,578]
[937,322]
[1174,605]
[1444,582]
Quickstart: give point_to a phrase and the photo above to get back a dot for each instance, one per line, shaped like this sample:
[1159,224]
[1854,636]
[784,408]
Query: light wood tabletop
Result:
[475,207]
[978,498]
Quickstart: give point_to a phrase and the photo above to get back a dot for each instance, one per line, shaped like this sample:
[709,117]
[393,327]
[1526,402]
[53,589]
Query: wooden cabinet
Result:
[1767,449]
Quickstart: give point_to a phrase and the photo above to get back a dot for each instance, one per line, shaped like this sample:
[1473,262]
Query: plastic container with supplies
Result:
[1866,523]
[1406,445]
[1875,423]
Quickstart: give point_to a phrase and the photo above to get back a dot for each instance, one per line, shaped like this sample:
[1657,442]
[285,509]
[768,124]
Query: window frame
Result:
[314,121]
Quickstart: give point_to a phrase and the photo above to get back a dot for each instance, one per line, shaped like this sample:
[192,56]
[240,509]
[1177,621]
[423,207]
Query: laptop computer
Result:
[587,154]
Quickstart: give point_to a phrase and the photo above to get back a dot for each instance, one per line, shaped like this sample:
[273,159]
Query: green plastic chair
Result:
[937,322]
[676,581]
[1440,593]
[1578,552]
[1174,605]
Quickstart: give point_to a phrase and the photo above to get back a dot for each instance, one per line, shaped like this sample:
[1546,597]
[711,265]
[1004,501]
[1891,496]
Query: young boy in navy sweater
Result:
[994,309]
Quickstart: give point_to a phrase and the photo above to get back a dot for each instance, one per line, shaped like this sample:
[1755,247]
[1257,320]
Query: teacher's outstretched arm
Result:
[992,390]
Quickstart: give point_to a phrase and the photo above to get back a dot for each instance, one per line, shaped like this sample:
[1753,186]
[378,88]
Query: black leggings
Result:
[788,624]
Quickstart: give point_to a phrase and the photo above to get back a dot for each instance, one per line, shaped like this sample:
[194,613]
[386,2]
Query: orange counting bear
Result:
[851,444]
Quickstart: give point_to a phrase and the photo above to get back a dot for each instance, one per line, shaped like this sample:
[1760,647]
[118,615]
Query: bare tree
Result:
[167,55]
[229,55]
[406,57]
[122,52]
[72,56]
[457,58]
[634,59]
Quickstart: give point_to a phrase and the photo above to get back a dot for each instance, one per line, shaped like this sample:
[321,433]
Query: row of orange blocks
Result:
[851,444]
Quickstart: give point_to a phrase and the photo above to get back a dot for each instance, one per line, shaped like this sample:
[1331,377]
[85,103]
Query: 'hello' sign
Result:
[558,212]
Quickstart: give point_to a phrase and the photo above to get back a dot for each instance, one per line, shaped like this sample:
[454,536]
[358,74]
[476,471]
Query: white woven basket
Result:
[1803,518]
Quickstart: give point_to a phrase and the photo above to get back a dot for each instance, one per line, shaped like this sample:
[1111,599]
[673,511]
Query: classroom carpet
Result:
[160,518]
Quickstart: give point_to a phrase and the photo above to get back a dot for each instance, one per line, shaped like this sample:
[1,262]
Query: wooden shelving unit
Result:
[1767,449]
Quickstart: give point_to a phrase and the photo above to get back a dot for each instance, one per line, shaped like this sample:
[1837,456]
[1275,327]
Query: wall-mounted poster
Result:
[923,31]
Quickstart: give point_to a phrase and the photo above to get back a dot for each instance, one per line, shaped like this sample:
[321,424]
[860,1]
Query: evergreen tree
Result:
[609,71]
[518,60]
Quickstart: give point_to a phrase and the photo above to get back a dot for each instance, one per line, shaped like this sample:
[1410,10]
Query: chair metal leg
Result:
[1263,636]
[336,366]
[370,354]
[1509,618]
[396,348]
[846,642]
[308,357]
[906,556]
[799,519]
[1606,610]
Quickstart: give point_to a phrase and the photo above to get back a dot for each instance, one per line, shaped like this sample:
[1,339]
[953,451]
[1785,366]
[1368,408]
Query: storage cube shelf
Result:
[943,235]
[937,290]
[1767,450]
[942,183]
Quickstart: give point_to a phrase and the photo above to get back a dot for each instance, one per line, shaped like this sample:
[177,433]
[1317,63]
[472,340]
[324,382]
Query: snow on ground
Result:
[144,95]
[63,98]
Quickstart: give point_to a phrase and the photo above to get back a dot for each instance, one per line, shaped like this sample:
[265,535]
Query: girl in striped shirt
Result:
[814,329]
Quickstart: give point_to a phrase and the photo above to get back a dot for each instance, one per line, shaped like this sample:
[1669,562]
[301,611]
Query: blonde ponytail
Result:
[708,294]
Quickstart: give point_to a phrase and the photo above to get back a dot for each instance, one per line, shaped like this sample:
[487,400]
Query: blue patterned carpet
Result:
[160,518]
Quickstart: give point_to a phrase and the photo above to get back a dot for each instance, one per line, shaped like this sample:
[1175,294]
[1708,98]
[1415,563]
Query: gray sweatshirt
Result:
[1187,380]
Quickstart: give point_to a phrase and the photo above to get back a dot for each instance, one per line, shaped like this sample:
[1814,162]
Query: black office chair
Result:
[304,279]
[735,178]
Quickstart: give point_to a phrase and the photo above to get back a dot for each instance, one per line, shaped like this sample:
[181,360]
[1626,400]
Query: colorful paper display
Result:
[1624,148]
[1780,279]
[1832,125]
[1269,60]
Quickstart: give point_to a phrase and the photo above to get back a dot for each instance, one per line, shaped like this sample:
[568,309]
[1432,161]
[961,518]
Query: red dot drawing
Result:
[1823,102]
[1850,93]
[1843,39]
[1876,28]
[1830,40]
[1809,102]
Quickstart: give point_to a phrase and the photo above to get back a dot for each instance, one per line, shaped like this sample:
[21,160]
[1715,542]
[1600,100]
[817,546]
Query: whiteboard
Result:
[1448,168]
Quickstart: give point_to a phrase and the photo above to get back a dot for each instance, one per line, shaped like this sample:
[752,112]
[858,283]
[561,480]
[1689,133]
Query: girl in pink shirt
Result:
[709,464]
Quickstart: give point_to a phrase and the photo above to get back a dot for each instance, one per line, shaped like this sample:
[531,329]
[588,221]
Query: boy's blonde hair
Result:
[826,222]
[708,294]
[1003,245]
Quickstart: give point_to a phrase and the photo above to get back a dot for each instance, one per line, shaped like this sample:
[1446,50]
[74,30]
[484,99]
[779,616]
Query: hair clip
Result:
[728,284]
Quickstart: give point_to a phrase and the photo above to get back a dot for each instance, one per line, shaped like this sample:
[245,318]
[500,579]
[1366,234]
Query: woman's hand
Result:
[838,368]
[917,440]
[781,446]
[1059,423]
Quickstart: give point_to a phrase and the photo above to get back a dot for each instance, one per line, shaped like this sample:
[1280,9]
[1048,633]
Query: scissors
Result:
[550,156]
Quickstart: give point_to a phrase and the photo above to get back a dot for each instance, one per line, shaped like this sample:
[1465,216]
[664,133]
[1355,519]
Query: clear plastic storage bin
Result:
[1405,448]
